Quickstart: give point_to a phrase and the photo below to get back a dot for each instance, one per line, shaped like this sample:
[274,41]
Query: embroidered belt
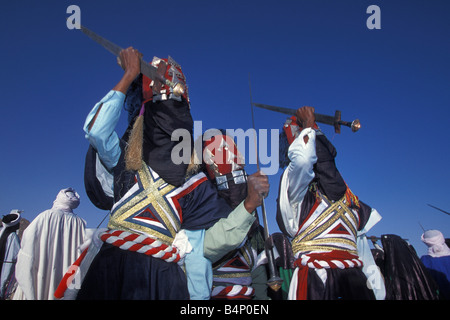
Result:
[330,260]
[233,292]
[141,244]
[334,259]
[125,241]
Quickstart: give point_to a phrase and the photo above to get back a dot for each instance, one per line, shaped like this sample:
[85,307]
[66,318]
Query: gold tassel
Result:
[133,152]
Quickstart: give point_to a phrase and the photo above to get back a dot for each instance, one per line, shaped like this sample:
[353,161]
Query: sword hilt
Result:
[274,281]
[355,125]
[336,121]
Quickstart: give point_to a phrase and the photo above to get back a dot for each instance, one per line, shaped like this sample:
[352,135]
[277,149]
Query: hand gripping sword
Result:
[274,281]
[335,121]
[155,74]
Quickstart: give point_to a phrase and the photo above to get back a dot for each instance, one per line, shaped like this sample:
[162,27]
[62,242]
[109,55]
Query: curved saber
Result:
[335,121]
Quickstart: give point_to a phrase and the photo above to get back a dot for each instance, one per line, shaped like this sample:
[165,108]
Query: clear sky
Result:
[396,80]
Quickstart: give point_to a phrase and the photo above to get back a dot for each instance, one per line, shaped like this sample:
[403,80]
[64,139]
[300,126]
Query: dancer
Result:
[50,244]
[321,215]
[159,215]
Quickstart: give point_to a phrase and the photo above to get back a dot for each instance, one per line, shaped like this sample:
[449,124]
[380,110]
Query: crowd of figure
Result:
[190,230]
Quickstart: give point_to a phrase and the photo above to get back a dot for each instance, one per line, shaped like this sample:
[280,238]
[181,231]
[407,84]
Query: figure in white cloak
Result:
[49,246]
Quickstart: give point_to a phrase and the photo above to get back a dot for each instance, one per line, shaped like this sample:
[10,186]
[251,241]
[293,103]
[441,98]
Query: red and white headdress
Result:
[154,90]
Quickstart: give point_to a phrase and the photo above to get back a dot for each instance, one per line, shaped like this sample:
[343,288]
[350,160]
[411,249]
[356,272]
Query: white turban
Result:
[12,218]
[67,200]
[435,241]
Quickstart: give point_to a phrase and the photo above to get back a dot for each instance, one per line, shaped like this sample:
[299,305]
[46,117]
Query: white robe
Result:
[49,246]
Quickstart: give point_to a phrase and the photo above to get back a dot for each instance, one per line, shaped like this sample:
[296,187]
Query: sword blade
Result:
[274,281]
[146,68]
[276,109]
[321,118]
[108,45]
[439,209]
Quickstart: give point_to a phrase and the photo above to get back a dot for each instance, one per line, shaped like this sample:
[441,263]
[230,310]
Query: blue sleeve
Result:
[198,269]
[102,135]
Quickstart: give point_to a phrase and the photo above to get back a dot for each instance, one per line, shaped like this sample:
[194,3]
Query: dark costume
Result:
[321,215]
[405,275]
[237,275]
[153,208]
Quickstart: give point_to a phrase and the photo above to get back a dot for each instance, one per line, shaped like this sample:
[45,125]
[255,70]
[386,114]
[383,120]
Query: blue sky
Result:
[396,80]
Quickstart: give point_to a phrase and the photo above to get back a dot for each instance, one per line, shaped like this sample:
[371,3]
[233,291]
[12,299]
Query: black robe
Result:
[406,278]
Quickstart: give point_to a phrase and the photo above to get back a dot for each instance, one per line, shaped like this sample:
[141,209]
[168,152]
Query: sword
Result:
[439,209]
[275,281]
[335,121]
[375,239]
[156,74]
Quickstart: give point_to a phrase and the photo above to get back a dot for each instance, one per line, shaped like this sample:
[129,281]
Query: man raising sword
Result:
[321,215]
[159,216]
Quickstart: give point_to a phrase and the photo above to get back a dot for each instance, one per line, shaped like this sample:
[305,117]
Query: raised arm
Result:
[302,156]
[102,120]
[130,61]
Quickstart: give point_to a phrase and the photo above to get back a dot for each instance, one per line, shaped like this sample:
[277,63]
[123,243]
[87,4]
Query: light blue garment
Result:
[7,279]
[102,135]
[198,268]
[375,279]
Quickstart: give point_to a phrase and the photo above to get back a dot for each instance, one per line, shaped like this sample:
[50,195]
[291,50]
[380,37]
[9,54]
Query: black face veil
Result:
[161,119]
[329,179]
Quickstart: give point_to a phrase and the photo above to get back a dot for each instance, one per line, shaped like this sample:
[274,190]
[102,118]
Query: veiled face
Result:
[222,156]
